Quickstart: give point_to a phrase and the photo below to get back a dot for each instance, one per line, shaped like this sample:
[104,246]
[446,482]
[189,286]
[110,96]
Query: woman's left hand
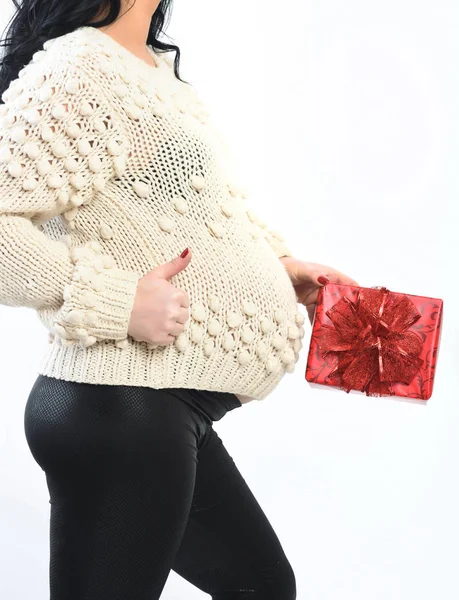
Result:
[307,278]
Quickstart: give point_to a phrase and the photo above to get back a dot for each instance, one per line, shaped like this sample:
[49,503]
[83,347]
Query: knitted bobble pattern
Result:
[109,167]
[59,146]
[98,299]
[58,143]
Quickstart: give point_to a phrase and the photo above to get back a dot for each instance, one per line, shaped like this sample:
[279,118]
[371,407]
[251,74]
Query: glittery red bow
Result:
[371,341]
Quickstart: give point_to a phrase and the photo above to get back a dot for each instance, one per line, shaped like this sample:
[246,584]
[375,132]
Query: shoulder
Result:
[66,65]
[60,130]
[63,89]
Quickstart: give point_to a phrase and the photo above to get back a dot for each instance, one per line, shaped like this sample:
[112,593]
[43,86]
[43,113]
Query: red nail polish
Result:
[323,279]
[184,253]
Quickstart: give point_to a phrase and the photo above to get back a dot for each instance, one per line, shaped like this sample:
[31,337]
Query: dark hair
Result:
[36,21]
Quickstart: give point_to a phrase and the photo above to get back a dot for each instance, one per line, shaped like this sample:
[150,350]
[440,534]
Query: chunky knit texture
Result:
[110,167]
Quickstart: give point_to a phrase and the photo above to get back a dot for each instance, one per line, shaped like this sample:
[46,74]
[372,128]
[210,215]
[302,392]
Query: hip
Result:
[72,423]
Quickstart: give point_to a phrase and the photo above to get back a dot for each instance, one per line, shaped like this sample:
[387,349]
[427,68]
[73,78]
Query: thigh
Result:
[120,465]
[229,548]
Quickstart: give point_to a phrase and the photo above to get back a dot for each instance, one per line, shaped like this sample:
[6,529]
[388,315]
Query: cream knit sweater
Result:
[111,167]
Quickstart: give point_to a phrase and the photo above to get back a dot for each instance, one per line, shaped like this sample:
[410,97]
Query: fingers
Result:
[336,277]
[178,324]
[172,267]
[185,300]
[183,315]
[170,339]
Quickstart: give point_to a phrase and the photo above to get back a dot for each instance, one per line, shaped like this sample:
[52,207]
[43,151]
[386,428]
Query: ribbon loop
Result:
[371,341]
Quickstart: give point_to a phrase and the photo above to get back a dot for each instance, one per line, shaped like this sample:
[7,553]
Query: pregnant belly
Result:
[244,399]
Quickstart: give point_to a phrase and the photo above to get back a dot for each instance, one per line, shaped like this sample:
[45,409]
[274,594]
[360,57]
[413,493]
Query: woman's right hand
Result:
[160,309]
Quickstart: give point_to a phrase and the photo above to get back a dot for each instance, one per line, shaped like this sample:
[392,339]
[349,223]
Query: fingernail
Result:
[323,279]
[184,253]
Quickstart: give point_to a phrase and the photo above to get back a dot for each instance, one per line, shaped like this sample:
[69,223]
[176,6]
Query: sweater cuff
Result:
[98,302]
[276,241]
[272,236]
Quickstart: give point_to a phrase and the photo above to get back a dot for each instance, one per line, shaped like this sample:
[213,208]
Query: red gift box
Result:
[374,341]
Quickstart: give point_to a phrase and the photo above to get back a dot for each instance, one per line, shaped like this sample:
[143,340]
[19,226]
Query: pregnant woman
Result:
[167,301]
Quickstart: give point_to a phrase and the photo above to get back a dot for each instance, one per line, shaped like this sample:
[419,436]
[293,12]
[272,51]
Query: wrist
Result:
[288,261]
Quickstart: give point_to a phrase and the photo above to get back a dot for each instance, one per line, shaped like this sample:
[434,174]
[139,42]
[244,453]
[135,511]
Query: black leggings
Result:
[140,483]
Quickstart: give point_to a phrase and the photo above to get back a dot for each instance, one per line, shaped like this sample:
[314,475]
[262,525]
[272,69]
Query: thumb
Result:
[174,266]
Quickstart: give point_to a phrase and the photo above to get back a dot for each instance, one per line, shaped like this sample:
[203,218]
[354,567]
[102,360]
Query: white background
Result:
[343,116]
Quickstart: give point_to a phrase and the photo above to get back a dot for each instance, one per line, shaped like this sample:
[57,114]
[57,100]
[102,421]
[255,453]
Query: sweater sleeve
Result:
[274,237]
[59,145]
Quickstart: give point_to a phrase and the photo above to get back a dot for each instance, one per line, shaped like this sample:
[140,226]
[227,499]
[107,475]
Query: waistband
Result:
[210,404]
